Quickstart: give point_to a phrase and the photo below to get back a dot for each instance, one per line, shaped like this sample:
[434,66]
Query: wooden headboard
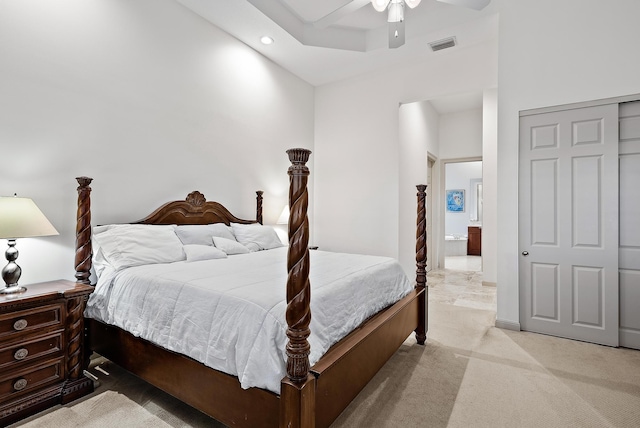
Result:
[195,209]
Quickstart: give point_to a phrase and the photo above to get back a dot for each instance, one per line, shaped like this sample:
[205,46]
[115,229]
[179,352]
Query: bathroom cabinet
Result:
[474,241]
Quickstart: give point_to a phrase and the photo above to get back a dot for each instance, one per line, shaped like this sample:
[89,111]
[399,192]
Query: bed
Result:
[309,394]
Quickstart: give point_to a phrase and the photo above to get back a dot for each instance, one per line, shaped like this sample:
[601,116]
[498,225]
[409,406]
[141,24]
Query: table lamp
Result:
[19,218]
[284,215]
[281,225]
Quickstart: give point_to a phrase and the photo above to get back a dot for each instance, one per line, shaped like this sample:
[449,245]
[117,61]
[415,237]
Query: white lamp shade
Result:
[412,3]
[284,216]
[380,5]
[21,218]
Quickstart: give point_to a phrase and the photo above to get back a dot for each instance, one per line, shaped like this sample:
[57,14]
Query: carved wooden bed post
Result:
[259,206]
[298,388]
[421,263]
[83,231]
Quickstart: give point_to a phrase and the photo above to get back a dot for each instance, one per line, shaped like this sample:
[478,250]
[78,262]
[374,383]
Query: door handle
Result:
[525,253]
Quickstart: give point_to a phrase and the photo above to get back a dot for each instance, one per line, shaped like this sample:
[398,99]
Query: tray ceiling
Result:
[329,40]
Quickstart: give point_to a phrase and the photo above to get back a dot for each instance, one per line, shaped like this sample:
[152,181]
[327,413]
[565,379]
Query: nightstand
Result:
[42,348]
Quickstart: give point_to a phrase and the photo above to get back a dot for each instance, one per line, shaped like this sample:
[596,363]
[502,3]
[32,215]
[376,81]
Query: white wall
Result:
[489,185]
[461,134]
[553,53]
[149,100]
[357,146]
[458,175]
[418,138]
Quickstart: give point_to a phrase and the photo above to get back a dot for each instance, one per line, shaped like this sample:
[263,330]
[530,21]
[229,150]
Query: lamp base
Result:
[14,289]
[11,272]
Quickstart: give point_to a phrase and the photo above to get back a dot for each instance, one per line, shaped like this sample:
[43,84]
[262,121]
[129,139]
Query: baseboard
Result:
[508,325]
[489,284]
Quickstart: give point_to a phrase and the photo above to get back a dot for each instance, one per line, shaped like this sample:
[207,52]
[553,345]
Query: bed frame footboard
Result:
[421,263]
[297,407]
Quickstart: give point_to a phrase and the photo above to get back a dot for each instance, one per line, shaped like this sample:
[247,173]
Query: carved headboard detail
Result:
[195,209]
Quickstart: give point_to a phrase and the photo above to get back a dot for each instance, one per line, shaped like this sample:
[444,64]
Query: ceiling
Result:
[323,41]
[457,102]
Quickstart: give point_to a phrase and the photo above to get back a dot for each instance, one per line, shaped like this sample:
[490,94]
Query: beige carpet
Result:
[469,375]
[108,409]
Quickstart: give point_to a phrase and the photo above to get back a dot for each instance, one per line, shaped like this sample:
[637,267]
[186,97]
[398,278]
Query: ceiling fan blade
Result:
[396,34]
[471,4]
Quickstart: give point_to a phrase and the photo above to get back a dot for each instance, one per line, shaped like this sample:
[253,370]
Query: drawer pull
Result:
[21,354]
[20,384]
[21,324]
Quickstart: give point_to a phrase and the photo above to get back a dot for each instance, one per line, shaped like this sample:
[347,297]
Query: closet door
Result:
[568,214]
[629,152]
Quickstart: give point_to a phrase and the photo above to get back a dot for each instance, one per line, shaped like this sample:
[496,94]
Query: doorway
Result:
[431,161]
[463,204]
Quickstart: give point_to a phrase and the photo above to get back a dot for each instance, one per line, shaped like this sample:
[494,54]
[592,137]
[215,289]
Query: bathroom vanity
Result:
[474,241]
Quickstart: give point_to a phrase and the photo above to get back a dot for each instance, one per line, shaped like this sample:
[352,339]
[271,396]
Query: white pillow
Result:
[256,236]
[139,244]
[201,234]
[230,246]
[203,252]
[100,263]
[99,229]
[221,230]
[195,234]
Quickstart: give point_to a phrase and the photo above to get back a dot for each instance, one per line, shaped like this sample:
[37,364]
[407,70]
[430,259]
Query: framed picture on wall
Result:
[455,200]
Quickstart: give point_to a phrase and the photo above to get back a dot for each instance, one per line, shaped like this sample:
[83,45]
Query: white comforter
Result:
[230,313]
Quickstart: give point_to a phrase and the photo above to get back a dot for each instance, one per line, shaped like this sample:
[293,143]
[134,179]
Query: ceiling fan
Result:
[395,14]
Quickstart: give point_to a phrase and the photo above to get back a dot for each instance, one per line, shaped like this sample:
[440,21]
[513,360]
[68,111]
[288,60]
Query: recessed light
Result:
[266,40]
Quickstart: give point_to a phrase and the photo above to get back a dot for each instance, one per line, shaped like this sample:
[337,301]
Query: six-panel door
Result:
[568,214]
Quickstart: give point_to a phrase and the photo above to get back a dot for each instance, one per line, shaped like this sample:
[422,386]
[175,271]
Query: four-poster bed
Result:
[310,395]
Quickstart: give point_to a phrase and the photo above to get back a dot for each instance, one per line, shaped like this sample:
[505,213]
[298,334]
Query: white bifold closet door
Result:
[629,259]
[568,232]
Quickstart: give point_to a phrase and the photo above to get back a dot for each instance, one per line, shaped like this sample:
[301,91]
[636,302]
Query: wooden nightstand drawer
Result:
[27,350]
[22,321]
[42,348]
[29,378]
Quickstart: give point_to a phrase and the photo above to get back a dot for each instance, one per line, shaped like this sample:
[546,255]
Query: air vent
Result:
[438,45]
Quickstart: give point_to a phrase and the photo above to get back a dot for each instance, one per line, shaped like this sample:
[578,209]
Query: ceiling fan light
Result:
[412,3]
[380,5]
[396,12]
